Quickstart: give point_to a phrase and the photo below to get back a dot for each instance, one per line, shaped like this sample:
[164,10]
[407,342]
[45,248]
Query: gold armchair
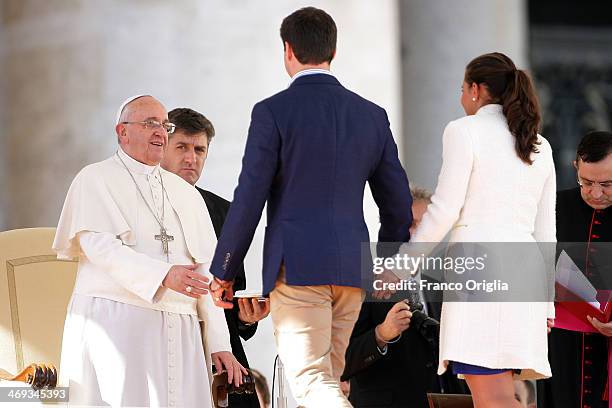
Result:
[35,288]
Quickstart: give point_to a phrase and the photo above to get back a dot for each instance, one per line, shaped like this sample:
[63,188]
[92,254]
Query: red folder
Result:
[579,308]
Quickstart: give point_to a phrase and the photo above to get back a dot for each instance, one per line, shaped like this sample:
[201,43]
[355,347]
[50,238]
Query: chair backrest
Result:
[35,288]
[450,401]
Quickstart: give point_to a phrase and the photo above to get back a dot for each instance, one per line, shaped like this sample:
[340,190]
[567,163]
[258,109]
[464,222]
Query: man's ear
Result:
[575,163]
[207,149]
[121,133]
[289,51]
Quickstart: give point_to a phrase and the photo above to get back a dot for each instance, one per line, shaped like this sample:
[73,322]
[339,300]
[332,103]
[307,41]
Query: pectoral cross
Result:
[164,238]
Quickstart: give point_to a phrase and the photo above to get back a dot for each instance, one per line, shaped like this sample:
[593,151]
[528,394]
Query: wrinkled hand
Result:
[222,293]
[603,328]
[396,321]
[181,277]
[550,323]
[224,360]
[252,310]
[386,277]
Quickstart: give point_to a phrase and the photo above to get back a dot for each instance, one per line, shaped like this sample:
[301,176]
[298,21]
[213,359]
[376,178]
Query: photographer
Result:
[389,363]
[392,358]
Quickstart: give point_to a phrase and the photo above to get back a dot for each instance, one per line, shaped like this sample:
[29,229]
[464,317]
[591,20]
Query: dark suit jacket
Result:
[401,378]
[217,208]
[309,153]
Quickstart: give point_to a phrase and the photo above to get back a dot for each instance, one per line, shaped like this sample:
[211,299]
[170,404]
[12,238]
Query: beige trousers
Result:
[312,327]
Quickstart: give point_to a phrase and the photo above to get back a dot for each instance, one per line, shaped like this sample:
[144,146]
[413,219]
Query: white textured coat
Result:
[485,193]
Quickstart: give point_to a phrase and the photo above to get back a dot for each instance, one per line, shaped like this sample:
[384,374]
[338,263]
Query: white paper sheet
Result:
[572,278]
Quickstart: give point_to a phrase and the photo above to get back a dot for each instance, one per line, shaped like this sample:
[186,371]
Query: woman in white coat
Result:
[497,183]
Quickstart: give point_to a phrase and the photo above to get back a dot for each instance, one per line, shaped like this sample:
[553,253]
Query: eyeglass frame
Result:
[593,184]
[154,125]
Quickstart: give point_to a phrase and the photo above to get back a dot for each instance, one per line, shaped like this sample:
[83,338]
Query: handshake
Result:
[185,280]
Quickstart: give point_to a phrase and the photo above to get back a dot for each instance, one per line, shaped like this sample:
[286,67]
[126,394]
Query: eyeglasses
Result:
[153,124]
[589,185]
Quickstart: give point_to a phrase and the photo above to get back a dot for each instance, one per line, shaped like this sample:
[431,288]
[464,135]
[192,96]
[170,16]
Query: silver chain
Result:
[160,222]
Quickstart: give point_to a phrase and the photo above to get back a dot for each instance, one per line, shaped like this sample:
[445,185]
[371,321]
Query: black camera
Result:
[426,326]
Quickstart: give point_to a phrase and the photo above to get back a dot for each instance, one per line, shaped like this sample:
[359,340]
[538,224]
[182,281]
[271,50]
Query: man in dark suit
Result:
[185,156]
[310,151]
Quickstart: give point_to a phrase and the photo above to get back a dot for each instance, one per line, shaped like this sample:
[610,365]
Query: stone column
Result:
[55,119]
[438,39]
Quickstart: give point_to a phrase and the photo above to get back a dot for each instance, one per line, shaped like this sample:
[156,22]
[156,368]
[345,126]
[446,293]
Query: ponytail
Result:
[522,111]
[513,89]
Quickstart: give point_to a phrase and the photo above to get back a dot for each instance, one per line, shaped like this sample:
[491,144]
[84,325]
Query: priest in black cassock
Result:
[185,156]
[579,354]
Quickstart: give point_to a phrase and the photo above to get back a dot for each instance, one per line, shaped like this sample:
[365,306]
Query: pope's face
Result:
[144,143]
[593,176]
[185,155]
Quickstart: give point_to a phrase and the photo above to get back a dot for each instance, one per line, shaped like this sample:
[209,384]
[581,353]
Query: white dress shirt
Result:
[311,71]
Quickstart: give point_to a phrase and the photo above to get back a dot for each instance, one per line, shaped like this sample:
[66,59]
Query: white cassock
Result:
[128,341]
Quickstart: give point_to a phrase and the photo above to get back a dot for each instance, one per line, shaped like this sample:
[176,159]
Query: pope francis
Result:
[140,307]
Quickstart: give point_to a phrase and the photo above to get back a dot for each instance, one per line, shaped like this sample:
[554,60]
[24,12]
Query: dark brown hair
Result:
[512,88]
[594,147]
[311,32]
[191,123]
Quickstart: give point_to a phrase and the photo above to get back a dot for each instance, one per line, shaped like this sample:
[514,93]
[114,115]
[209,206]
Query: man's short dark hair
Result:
[594,147]
[311,32]
[191,122]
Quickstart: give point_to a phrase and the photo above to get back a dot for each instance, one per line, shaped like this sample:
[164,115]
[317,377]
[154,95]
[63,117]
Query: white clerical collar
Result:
[134,165]
[311,71]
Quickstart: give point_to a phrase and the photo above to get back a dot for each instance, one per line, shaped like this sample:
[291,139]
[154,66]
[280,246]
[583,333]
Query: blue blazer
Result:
[309,153]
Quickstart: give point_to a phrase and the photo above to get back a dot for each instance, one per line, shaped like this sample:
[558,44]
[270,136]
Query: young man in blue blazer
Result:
[310,151]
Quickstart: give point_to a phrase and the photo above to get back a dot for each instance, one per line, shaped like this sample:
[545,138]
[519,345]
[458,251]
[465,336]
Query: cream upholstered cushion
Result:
[35,289]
